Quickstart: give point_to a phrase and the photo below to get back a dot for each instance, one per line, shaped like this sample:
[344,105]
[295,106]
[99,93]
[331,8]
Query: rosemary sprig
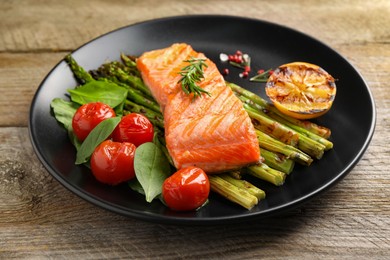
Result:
[262,77]
[191,75]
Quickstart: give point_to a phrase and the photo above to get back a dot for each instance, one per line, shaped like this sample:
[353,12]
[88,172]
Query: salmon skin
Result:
[212,132]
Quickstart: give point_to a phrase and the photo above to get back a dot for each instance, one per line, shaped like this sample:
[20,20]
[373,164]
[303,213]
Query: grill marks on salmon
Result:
[211,132]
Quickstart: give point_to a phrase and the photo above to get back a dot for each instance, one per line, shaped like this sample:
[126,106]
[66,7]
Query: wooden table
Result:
[39,218]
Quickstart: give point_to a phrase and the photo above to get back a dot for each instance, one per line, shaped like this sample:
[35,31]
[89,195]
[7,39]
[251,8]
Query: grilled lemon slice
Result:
[301,90]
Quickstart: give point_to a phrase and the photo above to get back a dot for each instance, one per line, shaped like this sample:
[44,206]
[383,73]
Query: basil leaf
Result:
[64,111]
[99,91]
[100,133]
[119,109]
[163,148]
[136,186]
[151,169]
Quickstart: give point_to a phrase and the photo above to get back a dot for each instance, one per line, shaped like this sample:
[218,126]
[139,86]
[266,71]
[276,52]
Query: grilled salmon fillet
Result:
[211,132]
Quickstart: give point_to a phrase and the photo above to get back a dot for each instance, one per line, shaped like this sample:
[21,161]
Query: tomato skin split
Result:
[88,116]
[187,189]
[113,162]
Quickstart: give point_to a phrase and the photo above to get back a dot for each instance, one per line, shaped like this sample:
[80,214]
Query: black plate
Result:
[352,118]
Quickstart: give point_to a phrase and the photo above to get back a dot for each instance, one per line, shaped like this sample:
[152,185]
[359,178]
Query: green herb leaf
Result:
[136,186]
[163,148]
[151,169]
[99,91]
[100,133]
[192,74]
[64,111]
[262,77]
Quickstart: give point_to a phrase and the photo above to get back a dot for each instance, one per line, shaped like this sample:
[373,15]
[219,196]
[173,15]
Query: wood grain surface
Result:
[40,219]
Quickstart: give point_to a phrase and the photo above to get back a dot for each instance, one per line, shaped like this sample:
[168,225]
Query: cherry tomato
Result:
[134,128]
[88,116]
[186,189]
[113,162]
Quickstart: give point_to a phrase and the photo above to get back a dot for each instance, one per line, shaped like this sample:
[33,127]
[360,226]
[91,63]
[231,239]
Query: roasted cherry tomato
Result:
[186,189]
[88,116]
[134,128]
[113,162]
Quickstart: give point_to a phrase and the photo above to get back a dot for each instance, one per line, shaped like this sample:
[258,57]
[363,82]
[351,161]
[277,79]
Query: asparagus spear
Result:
[311,146]
[264,172]
[103,74]
[291,152]
[232,192]
[306,144]
[243,184]
[277,161]
[131,80]
[310,126]
[271,127]
[136,96]
[81,75]
[84,76]
[256,108]
[328,144]
[117,73]
[130,64]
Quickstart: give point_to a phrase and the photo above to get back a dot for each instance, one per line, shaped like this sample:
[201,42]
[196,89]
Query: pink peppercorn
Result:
[244,74]
[238,58]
